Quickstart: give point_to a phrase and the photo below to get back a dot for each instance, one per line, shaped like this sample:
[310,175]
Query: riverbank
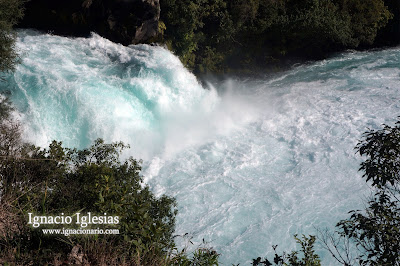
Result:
[228,37]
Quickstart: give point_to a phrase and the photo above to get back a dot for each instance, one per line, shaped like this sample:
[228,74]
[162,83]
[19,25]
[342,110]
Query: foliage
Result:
[189,24]
[202,255]
[11,12]
[215,35]
[309,258]
[382,149]
[9,130]
[366,17]
[376,229]
[339,246]
[59,180]
[389,35]
[205,256]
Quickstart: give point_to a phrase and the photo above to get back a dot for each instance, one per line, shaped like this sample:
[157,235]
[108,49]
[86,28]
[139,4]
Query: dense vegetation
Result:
[222,35]
[57,181]
[219,36]
[10,13]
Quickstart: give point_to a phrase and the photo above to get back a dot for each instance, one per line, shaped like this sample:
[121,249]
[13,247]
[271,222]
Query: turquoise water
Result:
[251,162]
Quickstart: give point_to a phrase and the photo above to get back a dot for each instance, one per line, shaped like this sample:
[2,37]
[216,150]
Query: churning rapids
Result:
[251,162]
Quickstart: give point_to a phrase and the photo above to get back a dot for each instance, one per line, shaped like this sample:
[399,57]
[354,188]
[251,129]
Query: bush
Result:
[11,12]
[218,35]
[309,258]
[58,180]
[372,236]
[376,230]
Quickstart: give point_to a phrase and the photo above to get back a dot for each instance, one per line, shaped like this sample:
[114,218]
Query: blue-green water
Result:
[251,162]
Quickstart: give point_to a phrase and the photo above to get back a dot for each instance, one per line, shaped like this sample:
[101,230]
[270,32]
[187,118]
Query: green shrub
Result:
[218,35]
[11,12]
[59,180]
[309,258]
[376,230]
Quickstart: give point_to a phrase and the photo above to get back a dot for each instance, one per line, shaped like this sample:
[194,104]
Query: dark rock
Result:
[122,21]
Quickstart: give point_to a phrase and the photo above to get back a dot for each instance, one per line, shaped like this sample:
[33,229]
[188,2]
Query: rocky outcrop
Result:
[122,21]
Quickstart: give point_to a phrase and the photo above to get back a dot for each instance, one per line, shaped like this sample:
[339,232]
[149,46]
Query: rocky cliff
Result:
[122,21]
